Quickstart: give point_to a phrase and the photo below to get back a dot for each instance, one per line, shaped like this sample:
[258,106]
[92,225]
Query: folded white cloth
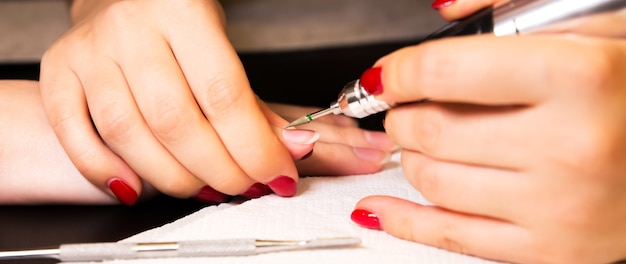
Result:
[321,209]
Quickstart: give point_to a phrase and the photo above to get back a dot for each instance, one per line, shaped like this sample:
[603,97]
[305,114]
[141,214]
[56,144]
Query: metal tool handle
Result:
[107,251]
[354,101]
[526,16]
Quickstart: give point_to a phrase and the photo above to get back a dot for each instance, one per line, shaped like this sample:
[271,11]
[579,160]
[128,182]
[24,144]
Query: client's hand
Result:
[343,148]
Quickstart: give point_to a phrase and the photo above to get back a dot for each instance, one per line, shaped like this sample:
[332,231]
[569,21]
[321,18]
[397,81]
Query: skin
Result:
[135,87]
[522,150]
[35,169]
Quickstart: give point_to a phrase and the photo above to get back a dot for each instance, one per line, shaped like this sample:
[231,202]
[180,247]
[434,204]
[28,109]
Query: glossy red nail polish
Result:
[257,190]
[365,219]
[283,186]
[210,196]
[123,192]
[441,3]
[371,80]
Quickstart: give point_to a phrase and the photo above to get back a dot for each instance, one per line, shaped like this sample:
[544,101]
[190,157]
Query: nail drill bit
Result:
[353,101]
[206,248]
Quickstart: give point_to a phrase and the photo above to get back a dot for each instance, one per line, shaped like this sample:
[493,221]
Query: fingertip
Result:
[284,186]
[389,213]
[257,190]
[210,196]
[299,142]
[370,210]
[365,219]
[300,136]
[122,191]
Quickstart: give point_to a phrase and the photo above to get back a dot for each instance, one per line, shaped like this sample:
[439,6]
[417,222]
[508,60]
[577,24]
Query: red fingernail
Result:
[283,186]
[365,219]
[306,156]
[123,192]
[210,196]
[441,3]
[257,190]
[371,80]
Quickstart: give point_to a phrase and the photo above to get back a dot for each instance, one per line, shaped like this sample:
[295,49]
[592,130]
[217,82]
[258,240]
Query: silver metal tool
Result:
[510,18]
[203,248]
[353,101]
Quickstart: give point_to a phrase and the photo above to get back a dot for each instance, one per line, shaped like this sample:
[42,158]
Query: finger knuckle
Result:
[172,121]
[588,150]
[427,181]
[405,222]
[85,161]
[221,97]
[433,66]
[61,119]
[428,131]
[114,123]
[449,239]
[595,69]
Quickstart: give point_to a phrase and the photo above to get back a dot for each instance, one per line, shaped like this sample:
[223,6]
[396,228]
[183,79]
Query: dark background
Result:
[306,77]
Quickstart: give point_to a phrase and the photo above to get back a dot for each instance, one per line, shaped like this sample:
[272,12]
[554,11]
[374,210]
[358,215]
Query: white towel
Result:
[321,208]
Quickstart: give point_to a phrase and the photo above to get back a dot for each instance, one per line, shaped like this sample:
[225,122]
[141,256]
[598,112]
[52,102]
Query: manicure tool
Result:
[510,18]
[201,248]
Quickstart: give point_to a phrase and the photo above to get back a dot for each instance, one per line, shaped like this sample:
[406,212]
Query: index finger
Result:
[486,70]
[221,89]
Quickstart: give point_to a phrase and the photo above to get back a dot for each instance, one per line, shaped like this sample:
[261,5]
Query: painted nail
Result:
[210,196]
[371,80]
[257,190]
[441,3]
[372,155]
[306,156]
[365,218]
[301,136]
[122,191]
[283,186]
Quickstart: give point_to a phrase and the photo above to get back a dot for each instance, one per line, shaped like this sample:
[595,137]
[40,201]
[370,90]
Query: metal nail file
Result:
[202,248]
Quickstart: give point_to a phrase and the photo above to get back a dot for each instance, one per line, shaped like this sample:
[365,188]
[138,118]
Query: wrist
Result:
[81,9]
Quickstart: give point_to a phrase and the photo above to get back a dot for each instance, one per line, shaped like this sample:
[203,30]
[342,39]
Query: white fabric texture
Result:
[321,208]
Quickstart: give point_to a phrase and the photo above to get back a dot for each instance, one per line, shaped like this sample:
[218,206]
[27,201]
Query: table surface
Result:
[306,77]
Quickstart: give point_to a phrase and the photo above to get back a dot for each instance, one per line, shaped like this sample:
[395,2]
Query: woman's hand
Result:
[168,98]
[522,149]
[34,168]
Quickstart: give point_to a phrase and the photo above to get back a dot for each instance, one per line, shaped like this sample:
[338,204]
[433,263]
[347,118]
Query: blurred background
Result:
[28,27]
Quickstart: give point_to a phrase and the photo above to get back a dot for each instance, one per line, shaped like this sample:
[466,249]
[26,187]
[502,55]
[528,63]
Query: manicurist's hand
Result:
[522,149]
[34,168]
[152,90]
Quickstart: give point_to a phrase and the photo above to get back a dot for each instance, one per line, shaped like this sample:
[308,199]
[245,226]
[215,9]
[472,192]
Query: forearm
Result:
[34,168]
